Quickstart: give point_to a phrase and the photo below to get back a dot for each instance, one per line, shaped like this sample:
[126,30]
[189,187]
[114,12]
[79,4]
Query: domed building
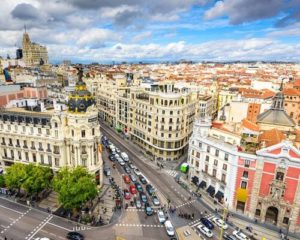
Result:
[81,98]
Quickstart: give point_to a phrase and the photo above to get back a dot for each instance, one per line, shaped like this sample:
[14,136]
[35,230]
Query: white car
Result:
[118,150]
[204,230]
[240,235]
[137,172]
[220,223]
[169,228]
[161,216]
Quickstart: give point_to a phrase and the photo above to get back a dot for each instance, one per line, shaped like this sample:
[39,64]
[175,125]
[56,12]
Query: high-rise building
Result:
[19,53]
[33,53]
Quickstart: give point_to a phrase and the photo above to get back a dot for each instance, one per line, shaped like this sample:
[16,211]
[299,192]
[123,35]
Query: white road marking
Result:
[13,210]
[40,227]
[59,226]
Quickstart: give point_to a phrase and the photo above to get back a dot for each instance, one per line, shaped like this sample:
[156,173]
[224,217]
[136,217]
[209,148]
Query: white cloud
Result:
[142,36]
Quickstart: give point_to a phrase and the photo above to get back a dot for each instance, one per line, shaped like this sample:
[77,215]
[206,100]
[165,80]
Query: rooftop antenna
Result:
[25,27]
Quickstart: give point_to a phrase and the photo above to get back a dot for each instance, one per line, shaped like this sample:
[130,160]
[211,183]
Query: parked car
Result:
[229,237]
[127,195]
[148,209]
[118,150]
[169,228]
[205,231]
[137,172]
[131,166]
[127,169]
[126,179]
[143,179]
[240,235]
[143,197]
[139,187]
[132,177]
[121,162]
[132,189]
[107,172]
[112,157]
[75,236]
[220,223]
[138,203]
[161,216]
[149,189]
[207,223]
[155,201]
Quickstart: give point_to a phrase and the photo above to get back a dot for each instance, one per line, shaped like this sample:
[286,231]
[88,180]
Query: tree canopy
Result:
[2,181]
[74,186]
[15,175]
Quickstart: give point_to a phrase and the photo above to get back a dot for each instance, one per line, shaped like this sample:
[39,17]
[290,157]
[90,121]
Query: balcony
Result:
[25,146]
[3,144]
[41,149]
[48,150]
[56,152]
[32,148]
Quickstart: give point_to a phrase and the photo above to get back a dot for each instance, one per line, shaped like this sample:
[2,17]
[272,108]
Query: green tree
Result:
[37,178]
[2,181]
[15,175]
[74,186]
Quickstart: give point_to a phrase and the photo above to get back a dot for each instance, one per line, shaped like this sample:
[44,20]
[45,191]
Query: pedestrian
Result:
[5,238]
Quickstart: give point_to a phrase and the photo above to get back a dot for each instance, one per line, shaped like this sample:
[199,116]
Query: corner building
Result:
[54,138]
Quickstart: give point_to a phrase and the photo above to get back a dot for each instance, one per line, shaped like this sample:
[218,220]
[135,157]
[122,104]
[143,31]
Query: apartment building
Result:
[52,137]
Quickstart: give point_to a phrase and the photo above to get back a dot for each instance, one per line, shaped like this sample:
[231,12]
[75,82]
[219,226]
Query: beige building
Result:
[33,53]
[52,137]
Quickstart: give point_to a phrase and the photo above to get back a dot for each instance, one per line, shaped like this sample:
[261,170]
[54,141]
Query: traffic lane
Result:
[53,231]
[150,173]
[8,203]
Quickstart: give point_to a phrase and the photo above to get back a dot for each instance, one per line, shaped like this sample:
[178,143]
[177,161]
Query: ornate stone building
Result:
[53,138]
[33,53]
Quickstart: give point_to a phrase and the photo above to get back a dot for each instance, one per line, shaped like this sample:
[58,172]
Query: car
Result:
[132,189]
[220,223]
[161,216]
[127,195]
[229,237]
[107,172]
[126,179]
[118,150]
[124,156]
[143,198]
[112,157]
[148,209]
[205,231]
[240,235]
[132,177]
[127,169]
[137,172]
[149,189]
[155,201]
[75,236]
[139,187]
[143,179]
[121,162]
[169,228]
[131,166]
[138,203]
[207,223]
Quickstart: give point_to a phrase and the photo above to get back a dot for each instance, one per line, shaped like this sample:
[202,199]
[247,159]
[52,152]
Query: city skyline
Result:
[106,31]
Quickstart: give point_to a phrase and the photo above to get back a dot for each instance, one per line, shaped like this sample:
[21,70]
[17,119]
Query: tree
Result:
[74,186]
[2,181]
[37,178]
[15,175]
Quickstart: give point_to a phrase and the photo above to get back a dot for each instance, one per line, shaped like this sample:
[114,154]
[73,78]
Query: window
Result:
[25,144]
[93,131]
[26,156]
[243,184]
[34,157]
[285,220]
[208,149]
[83,150]
[197,164]
[39,131]
[247,163]
[226,157]
[225,167]
[72,133]
[197,154]
[206,168]
[56,133]
[200,145]
[83,133]
[56,149]
[217,153]
[214,173]
[245,174]
[223,178]
[216,162]
[48,147]
[42,159]
[49,160]
[40,146]
[207,158]
[56,162]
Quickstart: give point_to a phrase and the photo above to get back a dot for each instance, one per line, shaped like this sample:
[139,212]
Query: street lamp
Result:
[225,210]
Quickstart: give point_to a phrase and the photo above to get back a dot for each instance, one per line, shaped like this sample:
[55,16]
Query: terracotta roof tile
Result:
[250,125]
[271,137]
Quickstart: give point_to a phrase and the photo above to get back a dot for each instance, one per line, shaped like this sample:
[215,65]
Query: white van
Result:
[169,228]
[124,156]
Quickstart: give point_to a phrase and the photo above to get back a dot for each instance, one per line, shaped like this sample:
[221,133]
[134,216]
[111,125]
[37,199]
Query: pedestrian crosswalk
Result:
[138,225]
[172,173]
[184,204]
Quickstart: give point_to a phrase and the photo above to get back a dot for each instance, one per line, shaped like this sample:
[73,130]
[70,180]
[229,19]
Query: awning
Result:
[211,190]
[195,180]
[241,195]
[219,195]
[202,184]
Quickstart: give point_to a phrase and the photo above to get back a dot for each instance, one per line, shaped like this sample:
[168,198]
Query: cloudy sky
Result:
[155,30]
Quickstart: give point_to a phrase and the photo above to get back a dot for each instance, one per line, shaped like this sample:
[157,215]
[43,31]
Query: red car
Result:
[127,195]
[132,189]
[126,179]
